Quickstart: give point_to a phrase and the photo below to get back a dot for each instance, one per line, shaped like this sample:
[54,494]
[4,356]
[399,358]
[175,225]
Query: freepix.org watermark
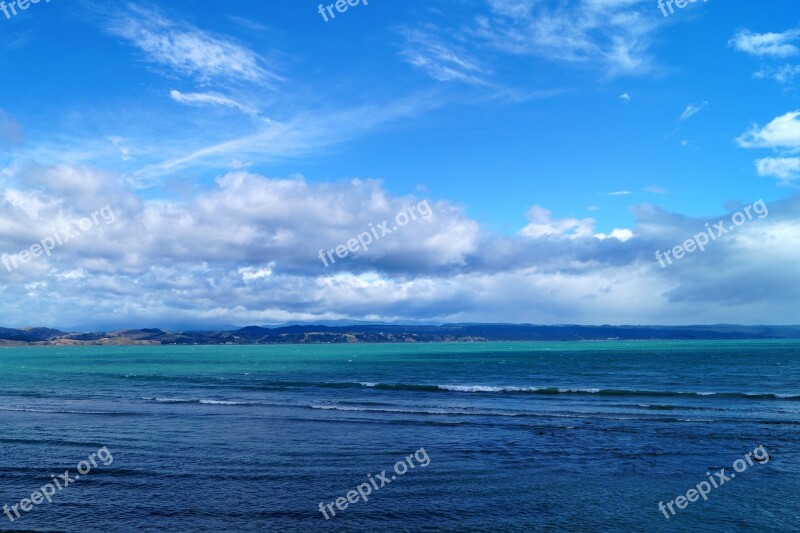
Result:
[365,489]
[10,9]
[719,478]
[340,5]
[664,4]
[699,241]
[362,241]
[48,244]
[58,483]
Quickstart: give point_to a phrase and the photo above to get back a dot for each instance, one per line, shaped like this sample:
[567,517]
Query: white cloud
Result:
[256,273]
[782,132]
[306,133]
[441,61]
[692,109]
[618,193]
[767,44]
[124,151]
[213,99]
[542,224]
[622,235]
[784,74]
[625,97]
[245,250]
[613,34]
[188,50]
[785,168]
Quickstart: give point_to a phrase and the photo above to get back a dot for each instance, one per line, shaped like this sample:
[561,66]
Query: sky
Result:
[196,163]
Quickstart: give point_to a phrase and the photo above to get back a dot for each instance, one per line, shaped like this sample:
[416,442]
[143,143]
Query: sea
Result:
[501,436]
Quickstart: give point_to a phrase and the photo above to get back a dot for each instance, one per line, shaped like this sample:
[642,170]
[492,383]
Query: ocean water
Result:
[586,436]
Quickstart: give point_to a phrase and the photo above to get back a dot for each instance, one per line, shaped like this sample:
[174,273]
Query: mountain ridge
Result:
[388,333]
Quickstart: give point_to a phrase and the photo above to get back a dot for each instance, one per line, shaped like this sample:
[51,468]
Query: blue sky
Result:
[235,139]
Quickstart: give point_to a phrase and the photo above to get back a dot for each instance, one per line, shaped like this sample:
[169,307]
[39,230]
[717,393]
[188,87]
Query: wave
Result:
[575,391]
[204,402]
[277,385]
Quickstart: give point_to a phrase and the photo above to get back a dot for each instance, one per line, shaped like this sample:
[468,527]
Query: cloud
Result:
[618,193]
[542,224]
[625,97]
[305,133]
[619,234]
[188,50]
[441,61]
[766,44]
[124,151]
[784,74]
[245,250]
[692,109]
[781,132]
[213,99]
[245,217]
[784,168]
[613,34]
[655,189]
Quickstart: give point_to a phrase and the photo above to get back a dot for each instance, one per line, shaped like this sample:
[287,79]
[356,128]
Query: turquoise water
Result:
[520,436]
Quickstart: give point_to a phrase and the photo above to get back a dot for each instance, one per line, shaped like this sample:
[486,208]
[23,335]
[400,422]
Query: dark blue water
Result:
[519,436]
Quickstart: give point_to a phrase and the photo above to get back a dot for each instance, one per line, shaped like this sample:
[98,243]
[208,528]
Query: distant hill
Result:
[385,333]
[29,334]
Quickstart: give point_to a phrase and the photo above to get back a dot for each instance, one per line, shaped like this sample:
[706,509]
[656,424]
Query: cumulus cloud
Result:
[767,44]
[542,224]
[785,168]
[781,132]
[245,250]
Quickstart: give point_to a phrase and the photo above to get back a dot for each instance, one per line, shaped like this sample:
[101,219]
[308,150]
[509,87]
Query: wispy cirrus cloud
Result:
[613,33]
[655,189]
[783,74]
[304,133]
[187,49]
[212,99]
[692,109]
[440,60]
